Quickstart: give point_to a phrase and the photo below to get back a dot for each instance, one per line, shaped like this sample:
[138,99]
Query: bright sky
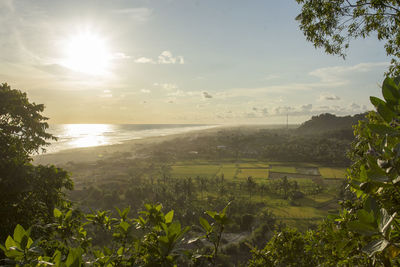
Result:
[179,61]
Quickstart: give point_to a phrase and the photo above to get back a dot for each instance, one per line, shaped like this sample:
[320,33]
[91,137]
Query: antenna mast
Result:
[287,121]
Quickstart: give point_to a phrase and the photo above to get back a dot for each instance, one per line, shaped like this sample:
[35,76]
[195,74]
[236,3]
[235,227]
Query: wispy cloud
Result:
[120,55]
[166,57]
[145,60]
[342,74]
[329,78]
[328,97]
[141,14]
[310,109]
[166,86]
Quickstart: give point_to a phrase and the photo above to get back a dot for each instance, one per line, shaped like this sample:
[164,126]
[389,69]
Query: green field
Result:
[283,168]
[183,171]
[332,172]
[255,173]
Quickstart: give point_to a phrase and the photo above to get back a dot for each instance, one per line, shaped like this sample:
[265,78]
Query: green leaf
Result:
[375,246]
[19,233]
[68,215]
[376,101]
[382,129]
[125,212]
[124,225]
[10,242]
[57,213]
[385,112]
[120,251]
[376,174]
[74,258]
[362,228]
[169,216]
[371,205]
[390,91]
[204,223]
[365,216]
[174,228]
[158,207]
[211,214]
[24,242]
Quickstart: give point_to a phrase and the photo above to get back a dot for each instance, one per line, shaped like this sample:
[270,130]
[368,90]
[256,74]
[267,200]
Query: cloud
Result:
[166,57]
[177,93]
[141,14]
[343,74]
[145,91]
[166,86]
[328,96]
[120,55]
[257,113]
[207,95]
[310,110]
[329,78]
[145,60]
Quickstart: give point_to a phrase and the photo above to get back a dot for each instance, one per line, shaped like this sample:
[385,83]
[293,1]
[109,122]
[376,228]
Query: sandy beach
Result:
[92,154]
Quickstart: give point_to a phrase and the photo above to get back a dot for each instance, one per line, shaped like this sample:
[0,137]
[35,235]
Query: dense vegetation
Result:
[365,232]
[28,193]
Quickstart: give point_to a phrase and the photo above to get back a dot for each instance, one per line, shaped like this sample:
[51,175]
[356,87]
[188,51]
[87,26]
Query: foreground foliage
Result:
[367,231]
[28,194]
[152,239]
[332,24]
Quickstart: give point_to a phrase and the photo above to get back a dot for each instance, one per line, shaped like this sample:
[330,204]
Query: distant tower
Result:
[287,121]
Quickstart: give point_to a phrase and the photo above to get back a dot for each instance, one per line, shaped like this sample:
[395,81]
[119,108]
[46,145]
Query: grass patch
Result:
[282,168]
[332,172]
[255,173]
[229,171]
[182,171]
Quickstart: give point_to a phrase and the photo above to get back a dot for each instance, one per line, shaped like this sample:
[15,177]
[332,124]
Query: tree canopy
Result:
[22,126]
[333,24]
[28,193]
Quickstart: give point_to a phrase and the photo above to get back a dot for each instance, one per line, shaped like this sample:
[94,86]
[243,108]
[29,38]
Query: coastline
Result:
[94,153]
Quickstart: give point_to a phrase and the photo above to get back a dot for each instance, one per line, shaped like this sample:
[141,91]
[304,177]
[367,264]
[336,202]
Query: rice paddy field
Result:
[311,208]
[255,169]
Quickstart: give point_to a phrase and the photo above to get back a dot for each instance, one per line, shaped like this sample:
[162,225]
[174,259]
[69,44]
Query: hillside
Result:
[327,122]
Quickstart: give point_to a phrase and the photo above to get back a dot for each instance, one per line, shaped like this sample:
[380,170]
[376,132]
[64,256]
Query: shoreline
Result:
[94,153]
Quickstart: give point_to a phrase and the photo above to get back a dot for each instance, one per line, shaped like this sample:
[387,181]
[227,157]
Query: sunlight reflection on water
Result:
[86,135]
[89,135]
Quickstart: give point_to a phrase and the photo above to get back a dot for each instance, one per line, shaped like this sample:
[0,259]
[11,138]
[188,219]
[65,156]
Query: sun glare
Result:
[87,135]
[88,53]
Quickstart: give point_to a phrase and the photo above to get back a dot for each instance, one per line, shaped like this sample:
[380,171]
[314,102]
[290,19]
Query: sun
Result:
[87,52]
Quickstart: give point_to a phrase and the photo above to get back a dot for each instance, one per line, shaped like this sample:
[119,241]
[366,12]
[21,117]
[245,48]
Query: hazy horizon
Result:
[175,61]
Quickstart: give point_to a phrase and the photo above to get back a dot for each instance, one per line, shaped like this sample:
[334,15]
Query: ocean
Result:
[89,135]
